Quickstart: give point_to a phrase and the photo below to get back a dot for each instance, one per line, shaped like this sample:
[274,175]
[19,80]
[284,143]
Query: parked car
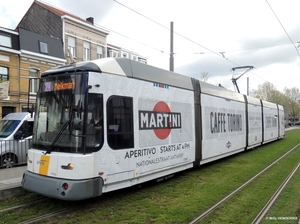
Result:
[15,138]
[297,123]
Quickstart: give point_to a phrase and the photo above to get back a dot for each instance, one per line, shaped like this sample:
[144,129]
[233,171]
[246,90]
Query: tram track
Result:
[68,208]
[267,207]
[24,205]
[39,218]
[48,215]
[269,204]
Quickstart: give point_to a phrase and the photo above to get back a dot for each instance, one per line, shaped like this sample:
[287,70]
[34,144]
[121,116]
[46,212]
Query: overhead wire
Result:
[154,48]
[220,54]
[237,50]
[296,48]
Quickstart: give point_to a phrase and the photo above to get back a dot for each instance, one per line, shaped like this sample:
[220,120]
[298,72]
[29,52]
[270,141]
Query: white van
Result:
[15,138]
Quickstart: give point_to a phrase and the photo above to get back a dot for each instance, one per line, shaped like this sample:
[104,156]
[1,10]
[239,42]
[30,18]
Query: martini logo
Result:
[228,144]
[161,120]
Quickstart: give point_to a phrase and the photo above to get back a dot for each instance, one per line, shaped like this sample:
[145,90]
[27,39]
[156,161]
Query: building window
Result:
[125,55]
[113,53]
[5,41]
[86,51]
[99,51]
[120,122]
[71,46]
[7,110]
[33,83]
[43,47]
[3,74]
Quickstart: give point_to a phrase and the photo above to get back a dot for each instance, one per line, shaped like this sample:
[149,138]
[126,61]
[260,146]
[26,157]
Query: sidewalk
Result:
[292,128]
[10,182]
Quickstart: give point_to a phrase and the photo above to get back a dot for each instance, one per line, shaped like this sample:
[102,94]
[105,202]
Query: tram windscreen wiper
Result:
[76,124]
[57,137]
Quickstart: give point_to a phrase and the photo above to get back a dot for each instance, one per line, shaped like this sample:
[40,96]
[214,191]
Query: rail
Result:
[204,214]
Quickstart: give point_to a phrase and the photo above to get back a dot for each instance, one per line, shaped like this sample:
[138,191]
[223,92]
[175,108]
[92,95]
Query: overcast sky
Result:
[259,33]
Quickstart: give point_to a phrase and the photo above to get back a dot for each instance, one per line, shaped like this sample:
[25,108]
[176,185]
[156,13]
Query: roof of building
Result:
[48,20]
[57,11]
[30,41]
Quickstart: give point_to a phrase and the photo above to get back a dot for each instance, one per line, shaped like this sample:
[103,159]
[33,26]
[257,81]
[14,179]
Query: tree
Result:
[204,76]
[289,99]
[267,91]
[292,102]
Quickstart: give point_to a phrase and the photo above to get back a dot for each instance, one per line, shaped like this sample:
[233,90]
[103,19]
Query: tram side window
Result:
[120,122]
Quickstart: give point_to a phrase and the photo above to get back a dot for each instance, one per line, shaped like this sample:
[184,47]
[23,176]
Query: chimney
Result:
[91,20]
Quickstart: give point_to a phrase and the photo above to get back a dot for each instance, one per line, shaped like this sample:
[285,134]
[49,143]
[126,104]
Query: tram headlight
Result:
[70,166]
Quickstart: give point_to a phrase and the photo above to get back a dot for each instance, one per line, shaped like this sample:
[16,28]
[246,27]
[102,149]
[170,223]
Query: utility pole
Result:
[171,50]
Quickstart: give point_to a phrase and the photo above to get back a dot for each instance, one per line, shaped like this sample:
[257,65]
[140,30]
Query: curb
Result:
[11,192]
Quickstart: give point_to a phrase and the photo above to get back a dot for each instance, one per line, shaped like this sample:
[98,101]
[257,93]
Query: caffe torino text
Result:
[225,122]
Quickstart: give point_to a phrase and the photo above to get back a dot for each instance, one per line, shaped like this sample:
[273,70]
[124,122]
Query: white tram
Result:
[151,123]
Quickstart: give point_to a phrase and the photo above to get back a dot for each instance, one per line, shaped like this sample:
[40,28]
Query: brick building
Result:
[47,37]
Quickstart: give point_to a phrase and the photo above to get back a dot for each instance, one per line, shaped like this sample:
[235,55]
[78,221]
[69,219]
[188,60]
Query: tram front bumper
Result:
[64,189]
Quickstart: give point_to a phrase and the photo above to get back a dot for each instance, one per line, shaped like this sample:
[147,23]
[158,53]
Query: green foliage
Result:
[292,102]
[289,98]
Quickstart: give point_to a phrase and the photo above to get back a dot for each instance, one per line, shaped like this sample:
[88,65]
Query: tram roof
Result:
[269,104]
[137,70]
[150,73]
[221,92]
[126,67]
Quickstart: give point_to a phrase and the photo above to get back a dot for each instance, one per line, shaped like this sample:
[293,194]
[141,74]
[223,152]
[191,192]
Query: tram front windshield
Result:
[64,121]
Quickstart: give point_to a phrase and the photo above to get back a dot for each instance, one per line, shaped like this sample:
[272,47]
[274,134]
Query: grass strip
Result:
[189,193]
[243,207]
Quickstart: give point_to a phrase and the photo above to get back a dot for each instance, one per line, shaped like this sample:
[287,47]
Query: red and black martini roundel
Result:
[161,120]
